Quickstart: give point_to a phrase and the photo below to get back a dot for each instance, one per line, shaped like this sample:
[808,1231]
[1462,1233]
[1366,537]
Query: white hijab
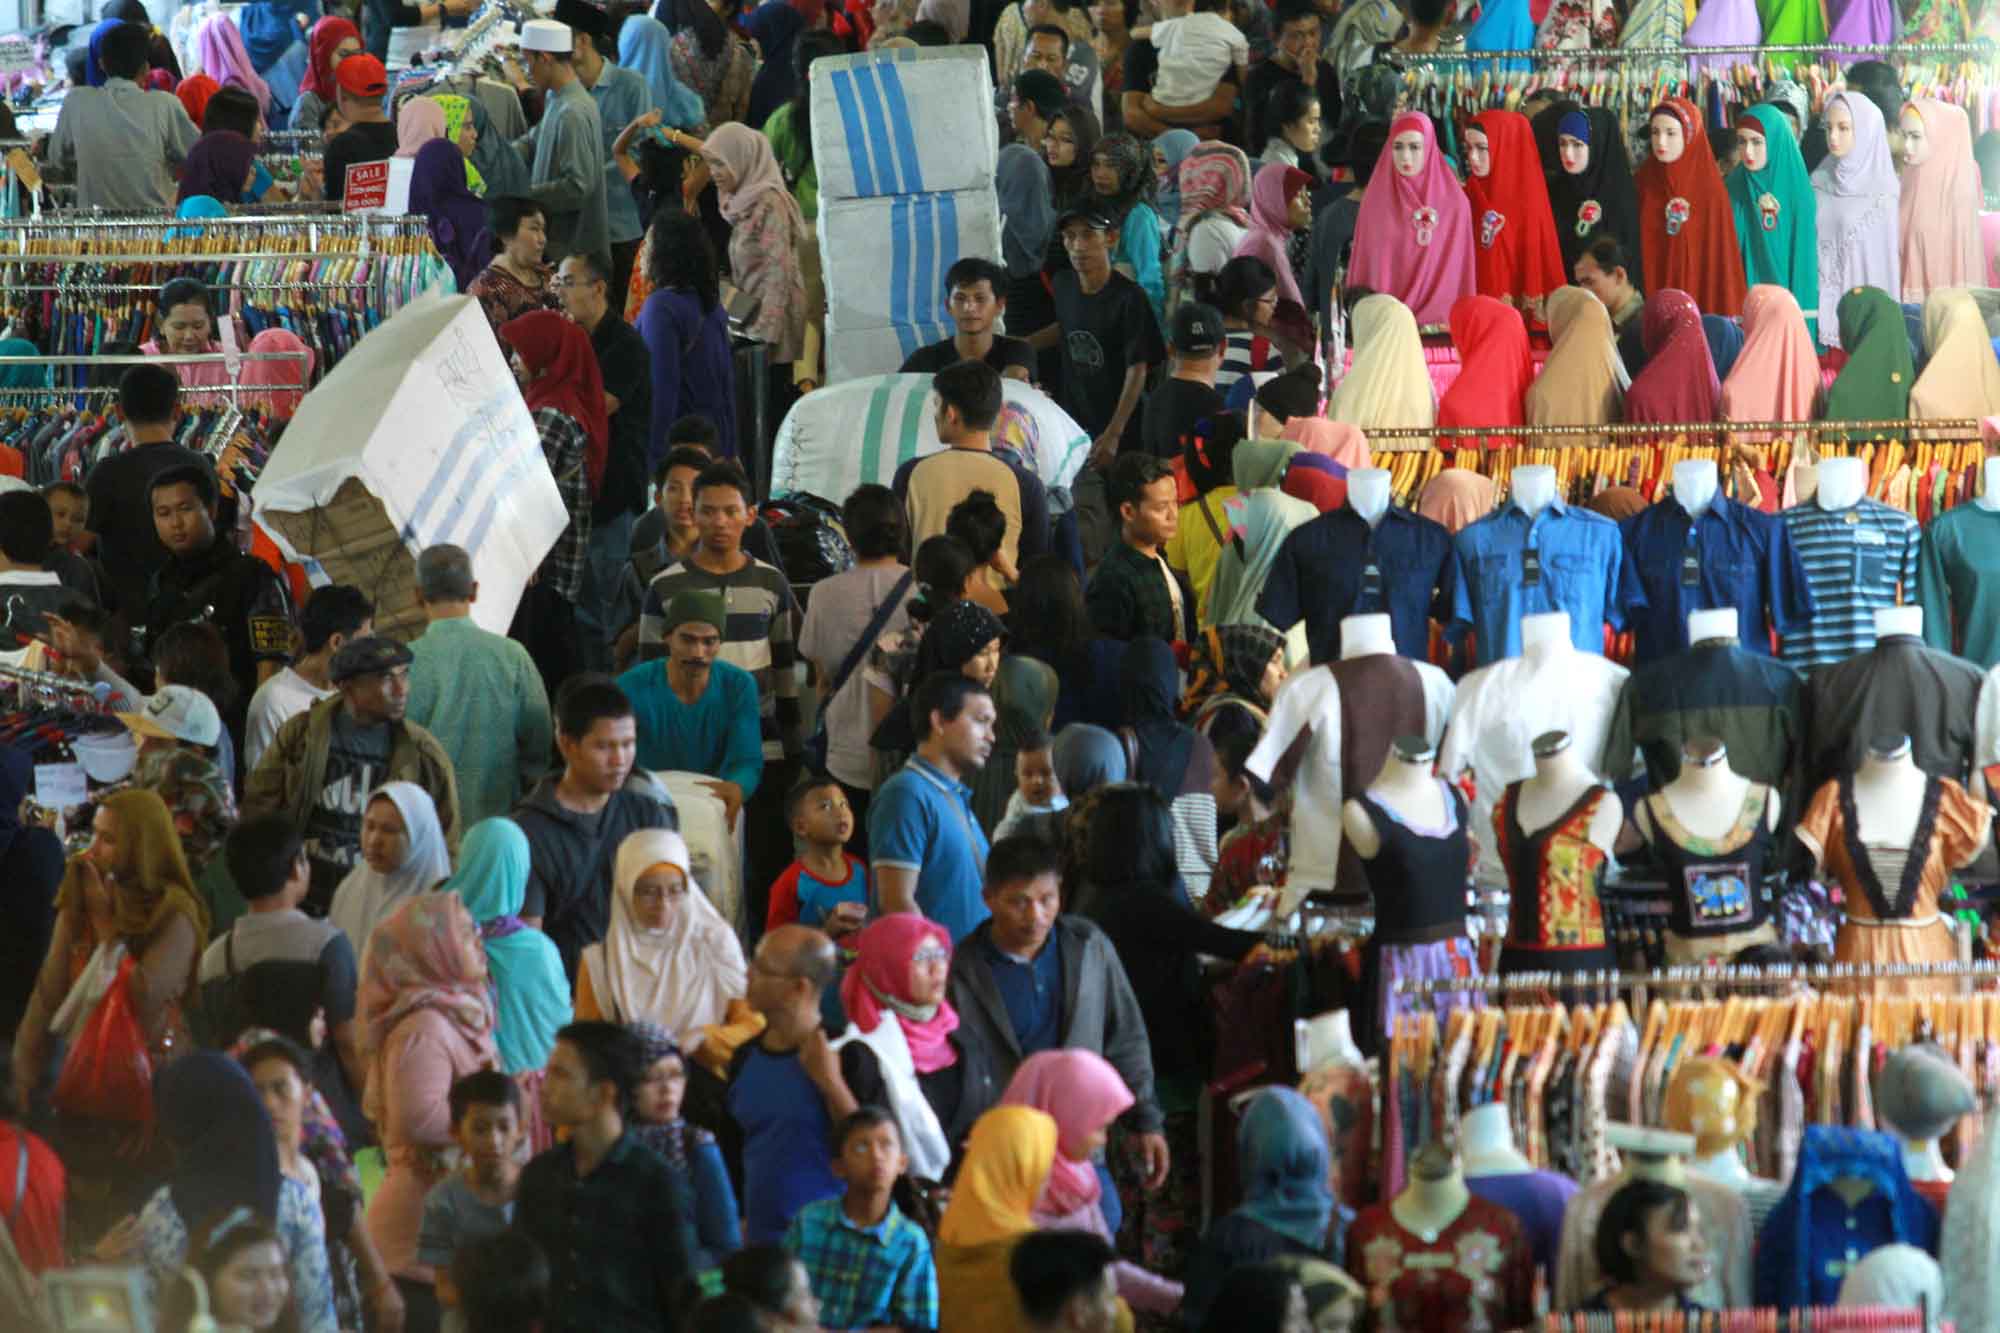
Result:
[681,976]
[367,895]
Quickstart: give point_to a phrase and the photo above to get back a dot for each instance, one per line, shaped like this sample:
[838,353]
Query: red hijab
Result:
[194,92]
[1678,383]
[879,983]
[1515,252]
[1687,227]
[1494,369]
[326,34]
[567,378]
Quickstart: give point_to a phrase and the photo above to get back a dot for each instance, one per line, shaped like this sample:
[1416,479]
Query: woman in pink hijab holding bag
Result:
[1413,240]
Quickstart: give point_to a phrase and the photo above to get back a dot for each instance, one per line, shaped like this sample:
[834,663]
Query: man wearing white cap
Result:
[566,151]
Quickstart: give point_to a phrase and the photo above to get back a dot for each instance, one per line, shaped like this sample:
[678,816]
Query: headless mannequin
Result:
[1989,492]
[1366,635]
[1488,1142]
[1434,1197]
[1899,620]
[1922,1160]
[1368,493]
[1532,487]
[1842,482]
[1326,1040]
[1561,778]
[1716,626]
[1695,485]
[1406,786]
[1889,795]
[1706,795]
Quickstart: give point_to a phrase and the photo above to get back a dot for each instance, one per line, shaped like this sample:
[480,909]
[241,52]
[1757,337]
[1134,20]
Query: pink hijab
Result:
[1456,497]
[224,59]
[1776,375]
[1270,223]
[747,154]
[1940,209]
[420,121]
[279,379]
[1413,240]
[880,981]
[1341,441]
[1082,1092]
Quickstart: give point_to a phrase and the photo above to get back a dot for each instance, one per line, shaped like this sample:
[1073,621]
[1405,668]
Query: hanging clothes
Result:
[1600,198]
[1776,376]
[1679,382]
[1685,226]
[1389,383]
[1939,216]
[1859,202]
[1814,1233]
[1961,376]
[1495,370]
[1875,383]
[1517,258]
[1414,239]
[1793,23]
[1503,25]
[1860,23]
[1777,213]
[1582,383]
[1723,23]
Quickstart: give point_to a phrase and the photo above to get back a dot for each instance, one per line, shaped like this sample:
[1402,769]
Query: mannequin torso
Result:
[1891,620]
[1411,790]
[1532,487]
[1695,485]
[1365,634]
[1560,781]
[1706,800]
[1710,626]
[1368,493]
[1433,1199]
[1842,481]
[1888,799]
[1488,1144]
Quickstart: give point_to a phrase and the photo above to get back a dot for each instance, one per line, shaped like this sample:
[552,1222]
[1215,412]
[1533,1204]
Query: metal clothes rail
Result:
[1383,438]
[1819,976]
[1615,54]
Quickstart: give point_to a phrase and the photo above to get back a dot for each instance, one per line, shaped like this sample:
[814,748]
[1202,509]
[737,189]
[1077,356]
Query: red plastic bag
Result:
[108,1072]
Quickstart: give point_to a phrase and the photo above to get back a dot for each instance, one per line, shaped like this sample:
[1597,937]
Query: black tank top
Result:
[1418,875]
[1715,886]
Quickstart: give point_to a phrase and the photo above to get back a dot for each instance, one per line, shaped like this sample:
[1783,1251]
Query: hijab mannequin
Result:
[1368,493]
[1561,778]
[1435,1196]
[1533,487]
[1920,1095]
[1366,635]
[1695,485]
[1989,494]
[1488,1142]
[1841,483]
[1708,1099]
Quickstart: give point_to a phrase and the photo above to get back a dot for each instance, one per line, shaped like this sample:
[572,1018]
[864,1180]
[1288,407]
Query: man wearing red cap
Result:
[370,136]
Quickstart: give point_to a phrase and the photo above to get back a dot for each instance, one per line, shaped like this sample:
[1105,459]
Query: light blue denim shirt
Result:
[1577,566]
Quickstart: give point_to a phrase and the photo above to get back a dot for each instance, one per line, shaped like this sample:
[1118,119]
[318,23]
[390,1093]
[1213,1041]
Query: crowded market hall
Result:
[999,666]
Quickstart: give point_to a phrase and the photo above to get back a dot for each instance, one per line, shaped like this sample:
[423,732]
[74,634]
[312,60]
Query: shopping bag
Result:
[108,1072]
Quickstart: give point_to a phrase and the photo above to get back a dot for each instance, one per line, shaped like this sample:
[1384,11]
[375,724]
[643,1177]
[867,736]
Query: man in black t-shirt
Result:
[370,135]
[1107,333]
[978,294]
[1187,397]
[1295,59]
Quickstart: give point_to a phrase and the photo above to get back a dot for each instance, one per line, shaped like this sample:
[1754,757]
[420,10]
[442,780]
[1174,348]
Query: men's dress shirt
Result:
[1857,560]
[1500,709]
[566,159]
[1338,566]
[622,96]
[866,1277]
[1958,583]
[1353,708]
[121,140]
[1129,597]
[1898,688]
[1751,703]
[1563,559]
[617,1240]
[1732,557]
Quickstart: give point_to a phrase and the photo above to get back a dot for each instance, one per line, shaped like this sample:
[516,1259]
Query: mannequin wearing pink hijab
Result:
[1941,201]
[1776,375]
[1413,240]
[1342,441]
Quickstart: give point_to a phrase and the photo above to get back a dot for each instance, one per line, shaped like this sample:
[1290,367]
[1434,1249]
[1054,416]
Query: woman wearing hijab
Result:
[194,92]
[765,232]
[1591,192]
[711,60]
[403,854]
[1495,371]
[1215,197]
[1389,383]
[456,217]
[1024,701]
[1516,258]
[1777,214]
[332,40]
[1859,201]
[1279,205]
[1169,151]
[1961,377]
[420,121]
[276,388]
[1068,147]
[894,995]
[220,166]
[1687,232]
[645,45]
[657,1121]
[93,71]
[220,43]
[668,957]
[1282,1154]
[777,28]
[1679,383]
[1088,761]
[425,1010]
[1875,383]
[1084,1094]
[1237,672]
[1259,519]
[128,894]
[960,636]
[502,172]
[1170,756]
[1414,238]
[1120,176]
[1776,376]
[1582,382]
[530,992]
[1048,622]
[1007,1163]
[1941,201]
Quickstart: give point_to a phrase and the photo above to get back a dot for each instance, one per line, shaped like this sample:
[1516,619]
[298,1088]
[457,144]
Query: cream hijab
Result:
[367,895]
[681,976]
[1962,378]
[1388,384]
[1583,383]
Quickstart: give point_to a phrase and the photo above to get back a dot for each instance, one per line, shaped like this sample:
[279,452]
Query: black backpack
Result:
[812,543]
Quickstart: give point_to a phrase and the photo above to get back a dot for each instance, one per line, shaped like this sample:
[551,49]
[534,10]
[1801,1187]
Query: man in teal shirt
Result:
[696,714]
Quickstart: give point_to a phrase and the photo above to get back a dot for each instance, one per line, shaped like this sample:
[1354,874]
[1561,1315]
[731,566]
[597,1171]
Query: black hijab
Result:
[1608,181]
[1150,681]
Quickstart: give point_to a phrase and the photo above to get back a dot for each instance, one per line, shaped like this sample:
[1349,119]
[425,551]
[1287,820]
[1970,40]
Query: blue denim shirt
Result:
[1743,559]
[1581,571]
[1322,574]
[622,96]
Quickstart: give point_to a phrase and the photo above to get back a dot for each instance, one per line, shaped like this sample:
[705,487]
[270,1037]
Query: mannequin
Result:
[1368,493]
[1537,554]
[1695,485]
[1555,832]
[1545,634]
[1436,1223]
[1561,778]
[1898,685]
[1498,1172]
[1716,626]
[1327,1039]
[1989,490]
[1658,1155]
[1711,829]
[1488,1142]
[1920,1094]
[1842,481]
[1958,570]
[1436,1195]
[1860,557]
[1899,620]
[1716,1101]
[1334,1078]
[1361,636]
[1532,487]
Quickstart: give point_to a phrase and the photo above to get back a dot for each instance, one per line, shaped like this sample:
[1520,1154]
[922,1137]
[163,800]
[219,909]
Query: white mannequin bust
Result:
[1989,494]
[1405,785]
[1651,1154]
[1708,626]
[1487,1142]
[1695,485]
[1324,1040]
[1842,482]
[1435,1195]
[1706,795]
[1899,620]
[1533,487]
[1888,793]
[1368,493]
[1365,635]
[1545,633]
[1726,1167]
[1561,778]
[1923,1161]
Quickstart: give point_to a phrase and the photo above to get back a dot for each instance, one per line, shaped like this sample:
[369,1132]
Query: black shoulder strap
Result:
[872,632]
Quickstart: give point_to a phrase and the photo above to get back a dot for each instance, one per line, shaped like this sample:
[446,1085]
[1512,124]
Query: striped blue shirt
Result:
[1857,560]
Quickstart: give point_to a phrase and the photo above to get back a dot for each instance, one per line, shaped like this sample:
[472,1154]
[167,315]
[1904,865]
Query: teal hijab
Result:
[530,989]
[1780,240]
[1259,519]
[20,376]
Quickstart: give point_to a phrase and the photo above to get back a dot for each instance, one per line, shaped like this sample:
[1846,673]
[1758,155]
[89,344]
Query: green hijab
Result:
[1780,243]
[530,990]
[456,109]
[1261,463]
[1875,383]
[1792,23]
[1024,698]
[23,376]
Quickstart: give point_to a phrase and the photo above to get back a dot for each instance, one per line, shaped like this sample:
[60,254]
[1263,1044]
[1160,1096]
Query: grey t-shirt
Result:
[453,1215]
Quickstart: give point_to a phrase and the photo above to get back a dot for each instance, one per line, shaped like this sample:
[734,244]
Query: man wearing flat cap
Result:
[323,765]
[694,713]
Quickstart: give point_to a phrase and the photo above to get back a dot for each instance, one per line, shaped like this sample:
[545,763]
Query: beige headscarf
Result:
[1580,385]
[681,976]
[1388,384]
[1457,497]
[1962,377]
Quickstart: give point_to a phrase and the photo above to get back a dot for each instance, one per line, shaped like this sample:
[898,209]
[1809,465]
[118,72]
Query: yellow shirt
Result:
[1196,547]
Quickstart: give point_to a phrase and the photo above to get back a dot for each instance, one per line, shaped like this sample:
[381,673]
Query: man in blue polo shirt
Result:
[929,855]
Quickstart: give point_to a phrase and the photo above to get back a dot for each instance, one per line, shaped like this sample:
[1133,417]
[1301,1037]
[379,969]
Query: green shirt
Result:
[480,695]
[794,156]
[1958,583]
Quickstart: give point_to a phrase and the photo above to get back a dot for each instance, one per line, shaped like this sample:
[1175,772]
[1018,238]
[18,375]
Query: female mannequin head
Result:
[1406,153]
[1649,1246]
[1478,152]
[1574,152]
[1752,145]
[1839,122]
[1669,137]
[1916,143]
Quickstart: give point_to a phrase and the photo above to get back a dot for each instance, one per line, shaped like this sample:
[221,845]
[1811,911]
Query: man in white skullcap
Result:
[566,151]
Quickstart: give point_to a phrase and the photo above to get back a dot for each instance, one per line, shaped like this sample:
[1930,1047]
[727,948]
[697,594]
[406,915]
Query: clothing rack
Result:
[1819,976]
[1616,54]
[1818,1319]
[50,683]
[230,389]
[1643,430]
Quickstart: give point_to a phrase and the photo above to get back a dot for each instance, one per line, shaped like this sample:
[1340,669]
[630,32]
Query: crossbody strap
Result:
[872,632]
[20,1177]
[1217,531]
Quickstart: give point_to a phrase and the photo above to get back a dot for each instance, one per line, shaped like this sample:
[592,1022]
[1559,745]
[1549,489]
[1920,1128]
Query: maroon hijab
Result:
[1679,382]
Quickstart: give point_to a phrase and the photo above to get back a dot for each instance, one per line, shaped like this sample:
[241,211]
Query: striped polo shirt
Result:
[1857,560]
[761,637]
